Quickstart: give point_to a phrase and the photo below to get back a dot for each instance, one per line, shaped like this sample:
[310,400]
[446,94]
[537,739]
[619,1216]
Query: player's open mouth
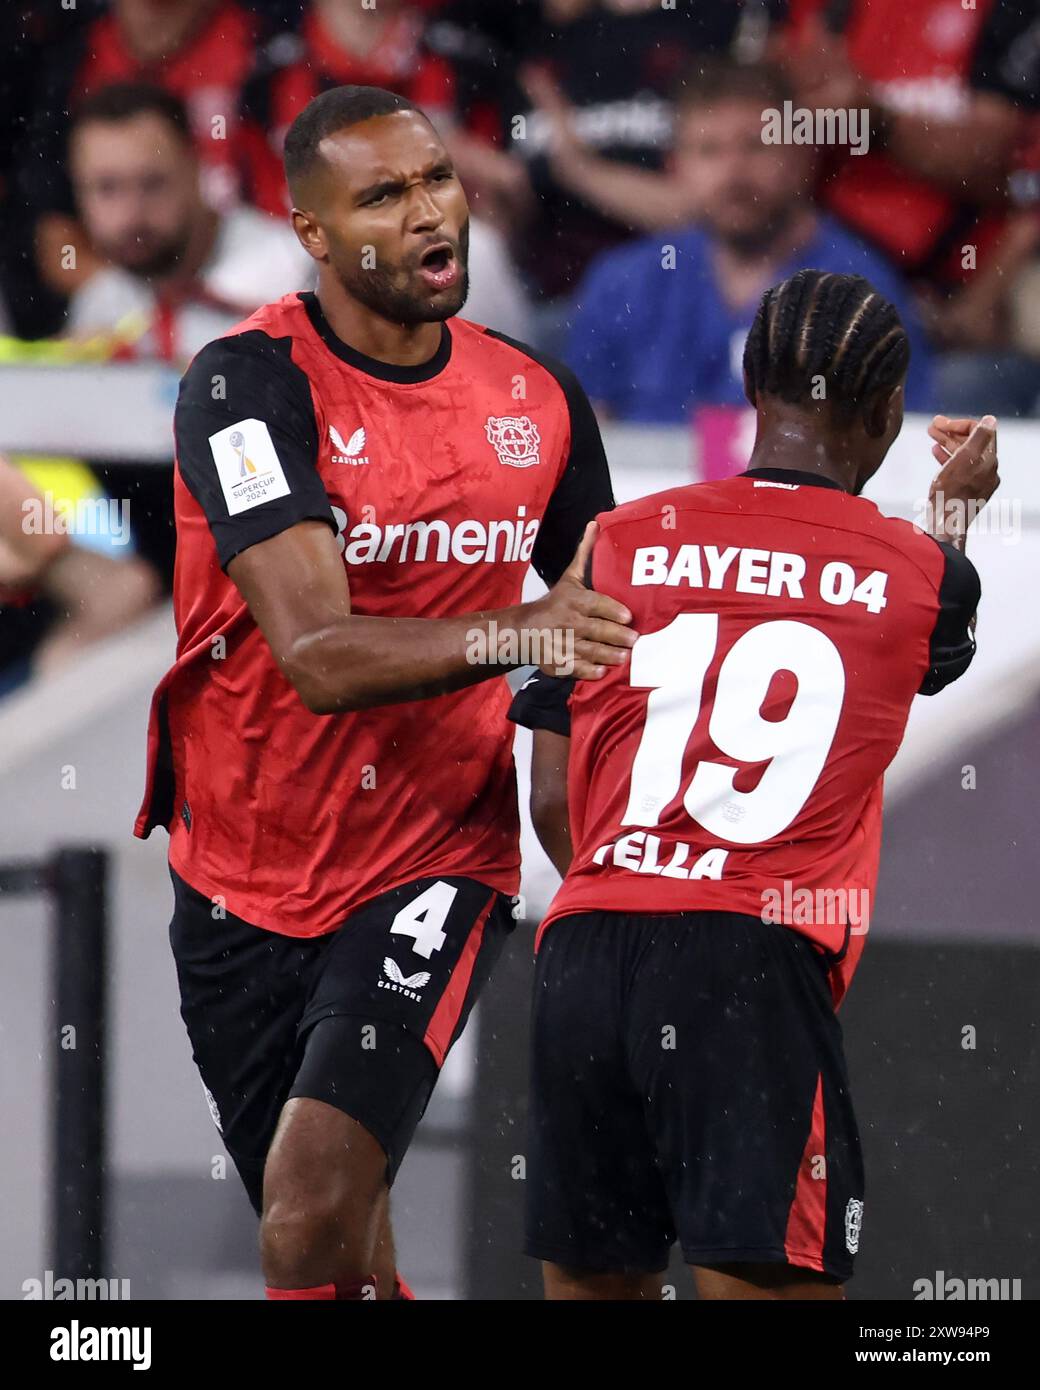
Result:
[439,268]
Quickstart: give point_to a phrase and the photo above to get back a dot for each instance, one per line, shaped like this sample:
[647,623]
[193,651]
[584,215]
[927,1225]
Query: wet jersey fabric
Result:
[443,483]
[735,764]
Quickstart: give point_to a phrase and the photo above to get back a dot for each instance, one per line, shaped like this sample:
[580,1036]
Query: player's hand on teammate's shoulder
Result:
[966,451]
[595,627]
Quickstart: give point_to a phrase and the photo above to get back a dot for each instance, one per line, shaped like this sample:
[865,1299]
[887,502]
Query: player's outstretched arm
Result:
[295,586]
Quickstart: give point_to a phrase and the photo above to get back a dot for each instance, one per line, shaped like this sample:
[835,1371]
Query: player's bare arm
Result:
[542,705]
[296,589]
[549,814]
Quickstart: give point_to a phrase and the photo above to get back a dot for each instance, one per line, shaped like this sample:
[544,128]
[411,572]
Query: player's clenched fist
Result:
[594,627]
[967,478]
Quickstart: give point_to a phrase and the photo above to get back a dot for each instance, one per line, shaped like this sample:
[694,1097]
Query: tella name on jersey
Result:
[640,851]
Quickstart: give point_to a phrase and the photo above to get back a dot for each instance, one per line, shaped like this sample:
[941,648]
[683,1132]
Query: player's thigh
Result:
[595,1204]
[734,1042]
[243,991]
[393,994]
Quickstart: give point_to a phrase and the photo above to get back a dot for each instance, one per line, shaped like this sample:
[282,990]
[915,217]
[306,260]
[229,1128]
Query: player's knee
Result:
[323,1225]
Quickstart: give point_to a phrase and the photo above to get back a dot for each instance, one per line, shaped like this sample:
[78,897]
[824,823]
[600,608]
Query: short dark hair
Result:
[715,78]
[122,101]
[820,325]
[329,112]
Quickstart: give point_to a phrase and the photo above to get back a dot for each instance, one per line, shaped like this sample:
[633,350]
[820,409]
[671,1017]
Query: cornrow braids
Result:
[819,327]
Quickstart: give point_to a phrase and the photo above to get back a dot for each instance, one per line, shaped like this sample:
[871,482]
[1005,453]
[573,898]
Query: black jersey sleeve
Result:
[952,644]
[584,488]
[247,441]
[583,491]
[542,703]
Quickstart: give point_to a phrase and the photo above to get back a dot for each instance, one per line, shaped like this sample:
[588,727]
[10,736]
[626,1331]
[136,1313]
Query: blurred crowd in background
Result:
[627,212]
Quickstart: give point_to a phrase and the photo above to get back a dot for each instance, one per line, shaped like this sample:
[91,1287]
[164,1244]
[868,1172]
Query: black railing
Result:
[75,881]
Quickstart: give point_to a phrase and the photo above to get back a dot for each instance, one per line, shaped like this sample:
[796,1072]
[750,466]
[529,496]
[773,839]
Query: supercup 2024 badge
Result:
[515,439]
[248,466]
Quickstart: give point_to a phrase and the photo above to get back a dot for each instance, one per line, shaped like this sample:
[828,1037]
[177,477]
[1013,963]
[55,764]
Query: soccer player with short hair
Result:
[688,1077]
[362,482]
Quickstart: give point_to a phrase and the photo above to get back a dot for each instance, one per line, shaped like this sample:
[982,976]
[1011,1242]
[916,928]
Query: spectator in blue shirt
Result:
[659,325]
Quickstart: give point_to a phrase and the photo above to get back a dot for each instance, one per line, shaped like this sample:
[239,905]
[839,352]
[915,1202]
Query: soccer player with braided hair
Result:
[720,832]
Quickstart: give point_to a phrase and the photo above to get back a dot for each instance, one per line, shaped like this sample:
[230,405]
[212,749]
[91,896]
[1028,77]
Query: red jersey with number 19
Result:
[735,764]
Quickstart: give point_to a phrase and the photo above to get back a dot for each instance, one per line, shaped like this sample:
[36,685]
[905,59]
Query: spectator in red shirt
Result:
[941,138]
[339,43]
[200,50]
[949,89]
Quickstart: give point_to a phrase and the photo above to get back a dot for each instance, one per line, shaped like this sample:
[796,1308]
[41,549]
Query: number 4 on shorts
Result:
[424,917]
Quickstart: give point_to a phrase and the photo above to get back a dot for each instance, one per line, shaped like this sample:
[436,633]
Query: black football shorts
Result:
[688,1081]
[361,1018]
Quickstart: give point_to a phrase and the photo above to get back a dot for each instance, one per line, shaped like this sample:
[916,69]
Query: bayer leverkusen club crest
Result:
[515,440]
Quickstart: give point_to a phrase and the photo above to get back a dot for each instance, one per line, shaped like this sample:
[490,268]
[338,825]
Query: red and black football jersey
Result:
[736,762]
[443,483]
